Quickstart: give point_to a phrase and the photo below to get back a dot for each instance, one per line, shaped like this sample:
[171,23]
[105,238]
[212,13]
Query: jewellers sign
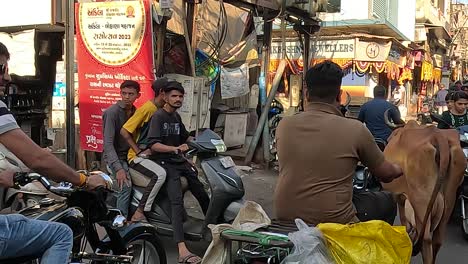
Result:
[322,49]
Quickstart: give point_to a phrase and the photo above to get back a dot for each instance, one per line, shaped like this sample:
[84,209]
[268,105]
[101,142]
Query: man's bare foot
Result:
[139,216]
[185,256]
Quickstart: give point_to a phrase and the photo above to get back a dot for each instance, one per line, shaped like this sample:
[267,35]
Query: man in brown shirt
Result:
[318,152]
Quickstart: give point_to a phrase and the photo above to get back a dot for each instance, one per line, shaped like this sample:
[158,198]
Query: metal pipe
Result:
[266,108]
[306,54]
[160,40]
[268,28]
[188,43]
[70,82]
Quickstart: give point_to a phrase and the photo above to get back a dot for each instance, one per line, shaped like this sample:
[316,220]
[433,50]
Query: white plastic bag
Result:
[309,246]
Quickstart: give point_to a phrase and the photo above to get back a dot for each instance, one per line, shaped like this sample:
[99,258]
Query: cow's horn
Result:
[388,123]
[348,99]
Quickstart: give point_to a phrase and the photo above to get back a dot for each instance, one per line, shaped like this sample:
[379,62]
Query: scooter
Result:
[25,196]
[222,181]
[82,211]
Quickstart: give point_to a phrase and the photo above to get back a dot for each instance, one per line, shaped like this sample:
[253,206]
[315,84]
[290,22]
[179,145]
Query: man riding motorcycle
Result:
[318,152]
[20,236]
[166,140]
[372,114]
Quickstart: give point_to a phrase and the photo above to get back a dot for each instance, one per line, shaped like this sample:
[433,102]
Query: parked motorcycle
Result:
[81,211]
[222,181]
[274,117]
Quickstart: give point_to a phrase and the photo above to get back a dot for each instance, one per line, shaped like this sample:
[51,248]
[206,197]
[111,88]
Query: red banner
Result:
[114,43]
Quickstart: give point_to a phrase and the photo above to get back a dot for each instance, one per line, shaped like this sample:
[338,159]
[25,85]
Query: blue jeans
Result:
[124,195]
[21,237]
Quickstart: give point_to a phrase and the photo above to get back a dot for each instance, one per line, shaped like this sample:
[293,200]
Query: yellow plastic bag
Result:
[367,242]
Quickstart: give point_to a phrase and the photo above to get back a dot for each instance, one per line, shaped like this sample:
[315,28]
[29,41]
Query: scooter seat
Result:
[141,180]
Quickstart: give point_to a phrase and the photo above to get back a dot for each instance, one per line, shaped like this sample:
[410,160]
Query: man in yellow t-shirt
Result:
[135,131]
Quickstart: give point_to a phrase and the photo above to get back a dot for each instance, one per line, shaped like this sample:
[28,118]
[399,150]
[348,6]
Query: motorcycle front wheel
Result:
[145,248]
[145,251]
[464,228]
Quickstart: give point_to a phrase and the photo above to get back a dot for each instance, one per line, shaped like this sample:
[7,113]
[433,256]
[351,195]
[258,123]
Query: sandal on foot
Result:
[186,259]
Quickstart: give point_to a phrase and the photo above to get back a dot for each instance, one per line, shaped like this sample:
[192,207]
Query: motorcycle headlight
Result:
[219,144]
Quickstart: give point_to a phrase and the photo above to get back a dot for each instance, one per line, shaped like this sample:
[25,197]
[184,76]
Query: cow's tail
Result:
[443,157]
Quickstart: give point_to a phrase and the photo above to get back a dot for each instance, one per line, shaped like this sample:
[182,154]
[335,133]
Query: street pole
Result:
[267,36]
[160,39]
[264,116]
[70,82]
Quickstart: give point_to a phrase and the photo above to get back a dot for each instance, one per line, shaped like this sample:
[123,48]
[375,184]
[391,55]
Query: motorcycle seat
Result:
[141,180]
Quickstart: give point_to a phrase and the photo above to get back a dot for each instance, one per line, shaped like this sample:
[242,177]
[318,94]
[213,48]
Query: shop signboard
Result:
[397,55]
[372,50]
[114,43]
[319,49]
[17,13]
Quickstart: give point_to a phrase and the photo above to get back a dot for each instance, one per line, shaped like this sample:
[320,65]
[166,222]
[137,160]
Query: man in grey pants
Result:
[115,146]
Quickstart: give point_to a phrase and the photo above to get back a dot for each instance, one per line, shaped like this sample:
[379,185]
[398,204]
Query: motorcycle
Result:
[222,181]
[274,117]
[82,211]
[25,196]
[463,189]
[424,118]
[363,180]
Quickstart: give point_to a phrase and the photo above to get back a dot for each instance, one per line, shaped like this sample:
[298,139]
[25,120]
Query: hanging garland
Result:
[379,66]
[362,66]
[437,75]
[406,75]
[343,63]
[393,70]
[426,71]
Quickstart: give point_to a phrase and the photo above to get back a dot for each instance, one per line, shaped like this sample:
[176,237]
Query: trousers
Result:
[21,237]
[123,195]
[158,176]
[174,191]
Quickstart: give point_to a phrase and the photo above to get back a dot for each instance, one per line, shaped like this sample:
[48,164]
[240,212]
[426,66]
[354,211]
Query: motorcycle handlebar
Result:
[63,189]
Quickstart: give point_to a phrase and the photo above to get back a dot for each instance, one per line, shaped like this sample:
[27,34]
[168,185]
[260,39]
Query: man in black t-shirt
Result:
[167,139]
